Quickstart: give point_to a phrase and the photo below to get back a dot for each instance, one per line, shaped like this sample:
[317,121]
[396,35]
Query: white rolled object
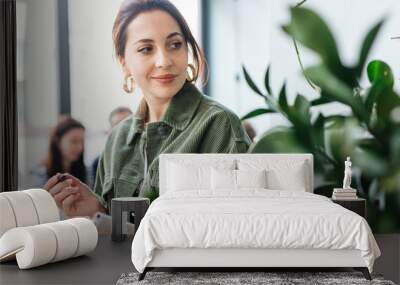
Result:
[46,207]
[26,208]
[23,208]
[32,246]
[66,238]
[40,244]
[87,235]
[7,217]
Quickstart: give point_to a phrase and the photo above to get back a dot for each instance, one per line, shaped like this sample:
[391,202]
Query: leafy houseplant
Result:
[370,134]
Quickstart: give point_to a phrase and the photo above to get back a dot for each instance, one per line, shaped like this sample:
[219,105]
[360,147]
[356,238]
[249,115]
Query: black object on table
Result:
[122,209]
[357,205]
[104,265]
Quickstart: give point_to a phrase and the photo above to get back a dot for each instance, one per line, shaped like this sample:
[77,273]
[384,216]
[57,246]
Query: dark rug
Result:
[229,278]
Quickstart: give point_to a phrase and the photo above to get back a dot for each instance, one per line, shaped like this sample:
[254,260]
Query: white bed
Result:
[203,220]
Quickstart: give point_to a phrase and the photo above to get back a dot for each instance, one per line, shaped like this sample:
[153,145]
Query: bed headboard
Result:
[276,161]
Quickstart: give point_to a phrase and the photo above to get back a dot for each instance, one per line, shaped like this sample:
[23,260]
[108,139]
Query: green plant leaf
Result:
[366,46]
[250,82]
[320,101]
[391,182]
[301,119]
[309,29]
[370,144]
[266,80]
[334,89]
[386,102]
[340,139]
[257,112]
[151,195]
[370,162]
[335,121]
[320,121]
[380,93]
[302,106]
[282,100]
[277,140]
[318,131]
[395,146]
[371,98]
[380,102]
[380,72]
[299,116]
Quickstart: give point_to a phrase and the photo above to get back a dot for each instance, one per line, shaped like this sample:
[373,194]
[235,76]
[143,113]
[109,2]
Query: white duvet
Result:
[253,218]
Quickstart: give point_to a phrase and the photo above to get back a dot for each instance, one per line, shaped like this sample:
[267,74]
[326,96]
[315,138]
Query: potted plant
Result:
[369,133]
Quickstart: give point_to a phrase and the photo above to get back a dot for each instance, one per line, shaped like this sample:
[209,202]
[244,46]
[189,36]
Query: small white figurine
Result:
[347,174]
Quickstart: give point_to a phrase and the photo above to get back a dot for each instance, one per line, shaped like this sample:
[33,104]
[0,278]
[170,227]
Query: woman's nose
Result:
[163,59]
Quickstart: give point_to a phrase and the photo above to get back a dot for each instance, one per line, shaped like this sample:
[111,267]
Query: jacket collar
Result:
[179,113]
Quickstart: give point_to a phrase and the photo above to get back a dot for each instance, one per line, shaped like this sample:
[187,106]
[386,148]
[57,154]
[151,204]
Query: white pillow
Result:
[223,179]
[251,178]
[184,175]
[282,174]
[183,178]
[237,179]
[297,181]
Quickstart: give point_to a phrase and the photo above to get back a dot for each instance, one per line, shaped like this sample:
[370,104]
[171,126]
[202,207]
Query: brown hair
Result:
[118,110]
[53,162]
[130,9]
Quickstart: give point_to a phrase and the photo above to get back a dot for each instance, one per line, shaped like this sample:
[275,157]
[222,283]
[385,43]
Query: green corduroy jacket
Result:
[193,123]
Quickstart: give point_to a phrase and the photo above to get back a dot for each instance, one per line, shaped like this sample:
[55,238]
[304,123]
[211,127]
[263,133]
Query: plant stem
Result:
[300,3]
[301,65]
[298,53]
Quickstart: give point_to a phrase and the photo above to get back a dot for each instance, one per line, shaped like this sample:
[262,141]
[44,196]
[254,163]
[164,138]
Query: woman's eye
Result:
[145,50]
[176,45]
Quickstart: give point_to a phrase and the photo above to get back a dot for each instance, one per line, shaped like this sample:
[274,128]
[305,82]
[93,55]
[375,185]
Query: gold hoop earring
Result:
[129,84]
[191,77]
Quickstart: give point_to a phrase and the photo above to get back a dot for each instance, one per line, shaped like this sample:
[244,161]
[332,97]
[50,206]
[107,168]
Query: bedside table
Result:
[357,205]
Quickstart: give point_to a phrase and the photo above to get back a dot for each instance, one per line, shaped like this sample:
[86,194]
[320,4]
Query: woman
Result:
[153,44]
[65,153]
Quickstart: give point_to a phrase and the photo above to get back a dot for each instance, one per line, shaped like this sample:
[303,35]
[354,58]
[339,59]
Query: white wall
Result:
[37,82]
[96,78]
[249,33]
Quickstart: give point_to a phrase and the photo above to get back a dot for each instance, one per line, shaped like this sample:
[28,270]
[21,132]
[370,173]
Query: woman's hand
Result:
[73,196]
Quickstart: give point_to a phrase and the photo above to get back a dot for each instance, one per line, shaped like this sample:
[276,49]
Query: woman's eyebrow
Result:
[144,41]
[171,35]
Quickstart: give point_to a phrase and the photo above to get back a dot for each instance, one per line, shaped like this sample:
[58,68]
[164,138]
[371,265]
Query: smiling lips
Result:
[165,78]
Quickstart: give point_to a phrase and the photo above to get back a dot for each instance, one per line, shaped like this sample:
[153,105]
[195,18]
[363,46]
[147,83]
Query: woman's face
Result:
[156,55]
[71,144]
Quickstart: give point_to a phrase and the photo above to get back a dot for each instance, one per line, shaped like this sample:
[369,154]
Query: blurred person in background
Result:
[116,116]
[251,132]
[65,152]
